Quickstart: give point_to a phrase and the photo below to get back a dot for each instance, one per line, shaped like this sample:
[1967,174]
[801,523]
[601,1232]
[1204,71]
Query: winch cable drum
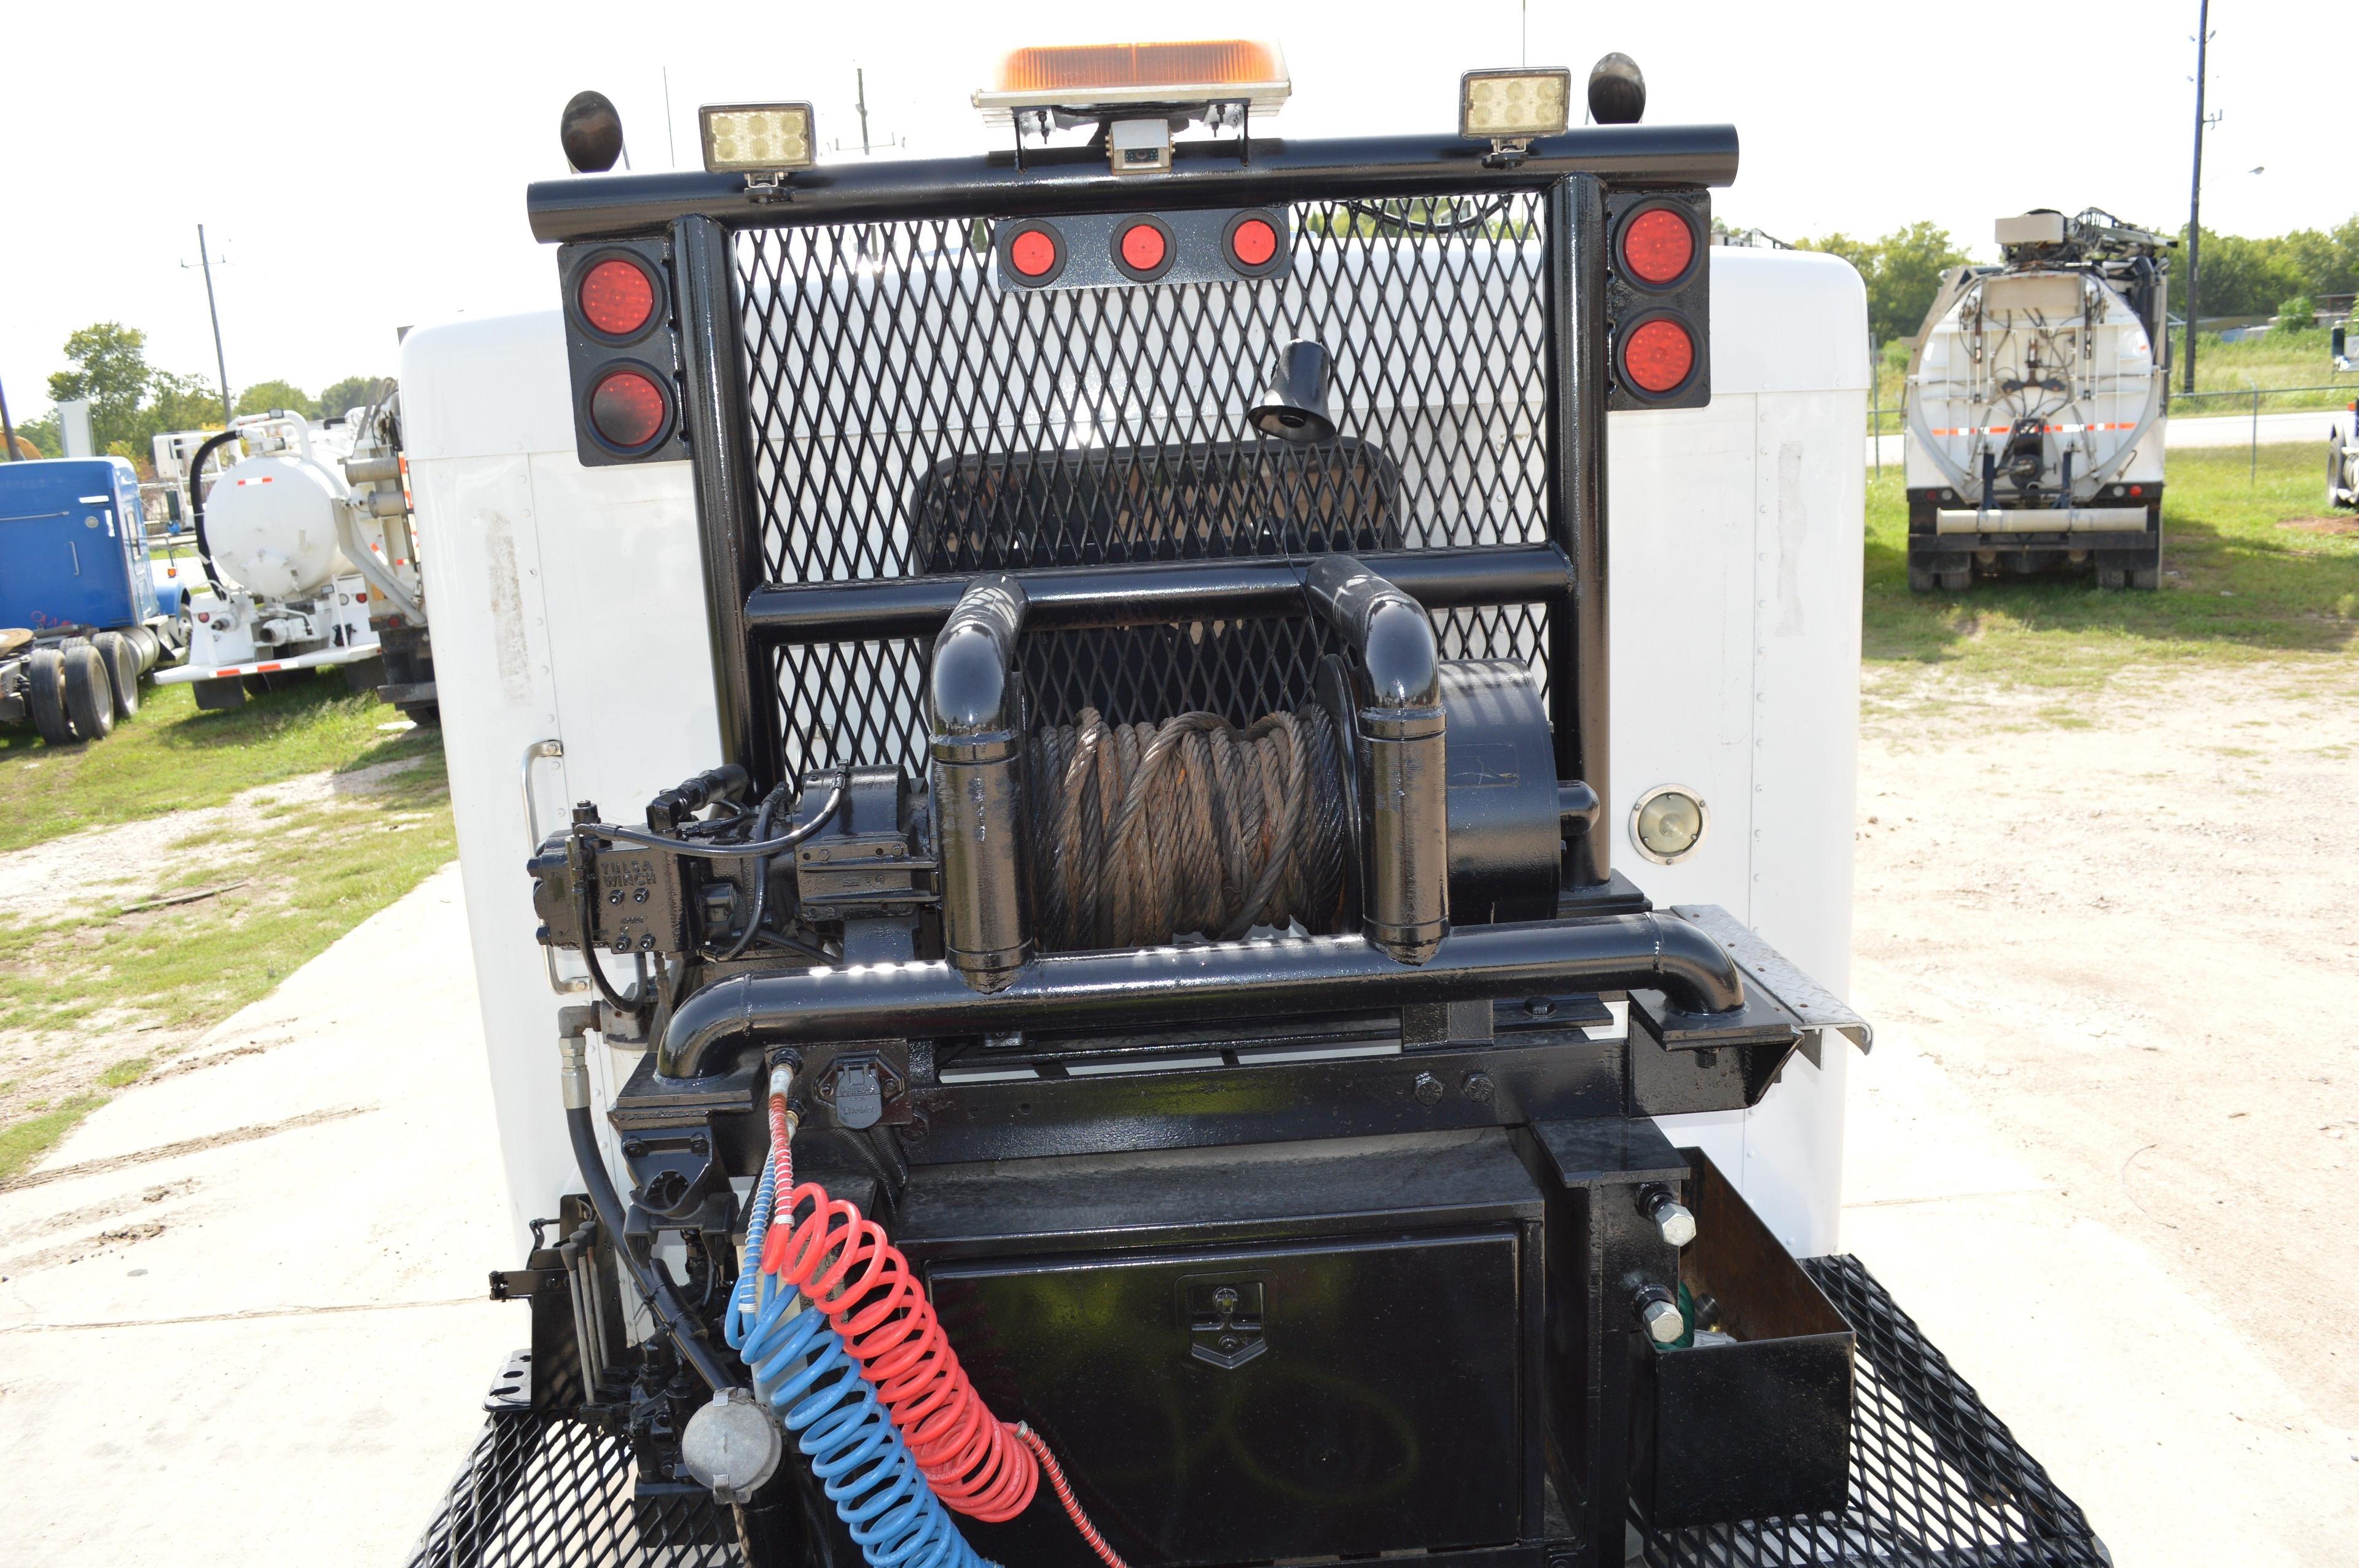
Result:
[1145,832]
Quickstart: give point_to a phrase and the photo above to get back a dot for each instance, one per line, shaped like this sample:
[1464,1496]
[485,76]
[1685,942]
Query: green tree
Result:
[2237,277]
[271,396]
[348,394]
[2328,260]
[1903,271]
[110,368]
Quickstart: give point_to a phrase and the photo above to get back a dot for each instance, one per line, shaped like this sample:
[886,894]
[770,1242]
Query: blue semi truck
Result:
[82,617]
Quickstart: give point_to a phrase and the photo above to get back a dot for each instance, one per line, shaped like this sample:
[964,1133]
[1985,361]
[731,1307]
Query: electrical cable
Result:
[761,873]
[787,840]
[1143,832]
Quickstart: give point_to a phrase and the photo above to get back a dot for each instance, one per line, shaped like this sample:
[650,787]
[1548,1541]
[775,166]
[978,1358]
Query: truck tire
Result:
[90,694]
[1922,580]
[45,695]
[1957,580]
[121,671]
[2147,577]
[224,696]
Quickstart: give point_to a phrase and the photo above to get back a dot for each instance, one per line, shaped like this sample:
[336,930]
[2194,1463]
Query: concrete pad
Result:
[2182,1445]
[243,1304]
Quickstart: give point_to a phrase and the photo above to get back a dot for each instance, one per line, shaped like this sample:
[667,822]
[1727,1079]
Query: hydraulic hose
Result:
[670,1315]
[197,503]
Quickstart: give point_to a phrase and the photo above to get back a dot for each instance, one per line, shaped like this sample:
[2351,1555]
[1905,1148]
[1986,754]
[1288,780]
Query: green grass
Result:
[169,757]
[2247,589]
[312,877]
[23,1141]
[313,872]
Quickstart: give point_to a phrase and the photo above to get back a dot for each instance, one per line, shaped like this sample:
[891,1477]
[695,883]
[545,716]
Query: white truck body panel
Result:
[568,607]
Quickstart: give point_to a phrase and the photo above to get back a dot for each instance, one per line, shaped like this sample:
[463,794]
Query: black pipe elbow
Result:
[1397,662]
[972,692]
[1696,972]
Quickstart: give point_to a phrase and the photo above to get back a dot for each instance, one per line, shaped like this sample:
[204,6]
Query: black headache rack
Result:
[1359,1206]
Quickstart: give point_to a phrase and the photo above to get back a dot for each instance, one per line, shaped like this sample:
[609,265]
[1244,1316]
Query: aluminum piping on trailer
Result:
[1218,173]
[1221,980]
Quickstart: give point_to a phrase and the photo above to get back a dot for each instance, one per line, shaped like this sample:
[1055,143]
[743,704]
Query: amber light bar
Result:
[1091,75]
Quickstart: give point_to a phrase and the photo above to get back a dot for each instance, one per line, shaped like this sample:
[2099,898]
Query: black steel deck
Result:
[1937,1481]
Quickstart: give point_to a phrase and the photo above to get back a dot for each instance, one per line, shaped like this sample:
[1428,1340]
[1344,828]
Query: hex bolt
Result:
[1428,1089]
[1476,1087]
[615,897]
[1661,1315]
[700,1145]
[633,1148]
[1668,1215]
[1539,1007]
[640,896]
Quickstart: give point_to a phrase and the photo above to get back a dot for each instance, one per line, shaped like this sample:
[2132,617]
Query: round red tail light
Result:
[1033,253]
[1253,242]
[618,298]
[1657,356]
[1143,247]
[629,409]
[1658,246]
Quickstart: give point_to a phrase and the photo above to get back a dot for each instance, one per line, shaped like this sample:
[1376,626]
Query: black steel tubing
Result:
[1402,754]
[1579,670]
[662,1300]
[1078,179]
[1223,980]
[974,717]
[1063,598]
[715,409]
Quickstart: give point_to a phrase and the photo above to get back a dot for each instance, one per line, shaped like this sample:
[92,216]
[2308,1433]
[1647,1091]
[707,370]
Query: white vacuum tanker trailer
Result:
[1102,940]
[2036,402]
[308,559]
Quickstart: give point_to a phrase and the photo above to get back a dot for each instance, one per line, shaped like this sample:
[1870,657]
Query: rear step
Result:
[1936,1478]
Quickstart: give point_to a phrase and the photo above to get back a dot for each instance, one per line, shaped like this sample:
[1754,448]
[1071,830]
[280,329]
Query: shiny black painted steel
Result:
[1083,1292]
[1077,180]
[714,404]
[1215,981]
[1578,675]
[655,1289]
[974,713]
[1505,806]
[1065,598]
[1399,753]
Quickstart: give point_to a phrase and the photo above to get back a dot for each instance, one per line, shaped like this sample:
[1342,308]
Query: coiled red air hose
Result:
[844,1265]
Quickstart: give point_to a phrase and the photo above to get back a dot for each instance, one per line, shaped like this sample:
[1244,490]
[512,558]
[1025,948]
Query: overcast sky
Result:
[364,167]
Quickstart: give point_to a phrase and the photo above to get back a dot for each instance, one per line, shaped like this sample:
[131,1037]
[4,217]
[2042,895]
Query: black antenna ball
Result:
[591,131]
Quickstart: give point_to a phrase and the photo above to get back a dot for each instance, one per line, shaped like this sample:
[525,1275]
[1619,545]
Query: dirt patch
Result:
[2343,525]
[185,1146]
[107,868]
[2133,941]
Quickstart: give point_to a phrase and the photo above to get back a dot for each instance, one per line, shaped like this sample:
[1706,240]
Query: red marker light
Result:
[1033,253]
[1658,357]
[1253,242]
[627,409]
[1143,248]
[1658,246]
[2137,490]
[617,299]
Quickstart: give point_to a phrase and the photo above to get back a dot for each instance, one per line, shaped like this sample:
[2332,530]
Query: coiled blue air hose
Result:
[801,1367]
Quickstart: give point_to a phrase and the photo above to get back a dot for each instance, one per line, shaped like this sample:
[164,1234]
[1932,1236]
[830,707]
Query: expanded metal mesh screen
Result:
[911,417]
[1937,1481]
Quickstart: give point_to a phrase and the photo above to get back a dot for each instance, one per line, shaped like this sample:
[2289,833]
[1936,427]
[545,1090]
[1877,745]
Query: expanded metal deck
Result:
[1937,1481]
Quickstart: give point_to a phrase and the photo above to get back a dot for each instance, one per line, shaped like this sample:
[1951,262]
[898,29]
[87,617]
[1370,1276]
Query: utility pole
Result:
[860,86]
[2195,194]
[205,261]
[7,431]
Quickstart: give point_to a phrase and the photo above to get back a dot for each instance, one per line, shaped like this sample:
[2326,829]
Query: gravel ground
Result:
[2116,936]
